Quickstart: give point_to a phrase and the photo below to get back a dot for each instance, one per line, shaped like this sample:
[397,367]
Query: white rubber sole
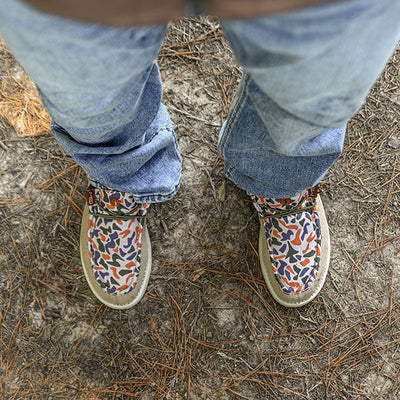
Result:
[297,300]
[124,301]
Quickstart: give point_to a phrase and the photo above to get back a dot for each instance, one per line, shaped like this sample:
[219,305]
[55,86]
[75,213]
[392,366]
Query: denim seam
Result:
[157,198]
[143,198]
[159,130]
[233,114]
[229,170]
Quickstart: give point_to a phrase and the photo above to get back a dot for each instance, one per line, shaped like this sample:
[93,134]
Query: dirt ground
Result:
[207,327]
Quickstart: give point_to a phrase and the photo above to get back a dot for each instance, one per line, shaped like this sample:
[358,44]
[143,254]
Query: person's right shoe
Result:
[294,246]
[115,247]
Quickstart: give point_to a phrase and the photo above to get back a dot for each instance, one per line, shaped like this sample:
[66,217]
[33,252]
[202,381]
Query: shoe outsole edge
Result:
[124,301]
[269,277]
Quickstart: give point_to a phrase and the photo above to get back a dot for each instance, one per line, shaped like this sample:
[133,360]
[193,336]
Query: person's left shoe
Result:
[294,246]
[115,247]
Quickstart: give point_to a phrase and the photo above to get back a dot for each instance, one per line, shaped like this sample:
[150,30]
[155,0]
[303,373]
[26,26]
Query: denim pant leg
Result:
[102,88]
[306,73]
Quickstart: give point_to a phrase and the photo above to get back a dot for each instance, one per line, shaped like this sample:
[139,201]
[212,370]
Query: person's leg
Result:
[102,88]
[306,73]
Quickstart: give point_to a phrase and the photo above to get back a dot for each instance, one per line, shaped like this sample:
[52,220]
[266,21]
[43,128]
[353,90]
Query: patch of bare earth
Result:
[207,327]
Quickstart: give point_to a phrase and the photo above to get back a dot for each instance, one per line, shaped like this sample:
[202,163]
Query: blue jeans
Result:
[306,72]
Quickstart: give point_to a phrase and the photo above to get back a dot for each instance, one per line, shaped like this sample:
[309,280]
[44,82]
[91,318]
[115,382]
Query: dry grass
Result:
[207,328]
[20,105]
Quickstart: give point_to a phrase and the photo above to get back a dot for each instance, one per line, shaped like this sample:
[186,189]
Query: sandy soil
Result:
[207,327]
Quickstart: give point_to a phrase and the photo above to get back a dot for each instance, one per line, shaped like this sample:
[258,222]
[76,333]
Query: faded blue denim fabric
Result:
[102,87]
[307,72]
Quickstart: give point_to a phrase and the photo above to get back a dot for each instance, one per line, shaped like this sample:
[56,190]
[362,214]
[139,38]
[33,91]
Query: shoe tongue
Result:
[285,204]
[267,206]
[117,202]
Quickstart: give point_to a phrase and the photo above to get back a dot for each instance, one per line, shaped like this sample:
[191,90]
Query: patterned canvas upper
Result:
[293,233]
[115,238]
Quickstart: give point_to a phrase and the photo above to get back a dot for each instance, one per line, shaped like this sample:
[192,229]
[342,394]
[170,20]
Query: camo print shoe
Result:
[294,246]
[115,247]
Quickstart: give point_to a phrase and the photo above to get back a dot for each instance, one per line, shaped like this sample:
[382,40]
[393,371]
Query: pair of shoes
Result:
[294,246]
[115,247]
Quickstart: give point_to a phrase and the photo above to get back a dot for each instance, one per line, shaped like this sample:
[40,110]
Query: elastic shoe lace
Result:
[297,210]
[120,217]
